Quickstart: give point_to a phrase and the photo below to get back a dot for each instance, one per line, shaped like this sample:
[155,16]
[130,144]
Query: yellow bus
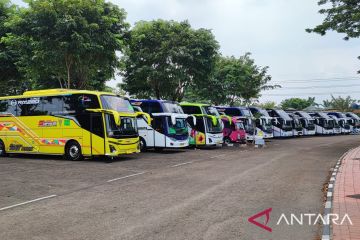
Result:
[74,123]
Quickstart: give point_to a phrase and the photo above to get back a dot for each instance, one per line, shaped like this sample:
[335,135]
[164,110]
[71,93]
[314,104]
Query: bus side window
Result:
[190,121]
[200,124]
[158,125]
[7,107]
[53,105]
[94,125]
[191,109]
[97,125]
[226,124]
[35,109]
[79,102]
[155,107]
[145,107]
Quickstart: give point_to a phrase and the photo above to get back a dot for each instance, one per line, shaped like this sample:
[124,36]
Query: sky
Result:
[274,32]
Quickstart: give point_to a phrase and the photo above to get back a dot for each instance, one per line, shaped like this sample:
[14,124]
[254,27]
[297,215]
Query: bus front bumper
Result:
[116,147]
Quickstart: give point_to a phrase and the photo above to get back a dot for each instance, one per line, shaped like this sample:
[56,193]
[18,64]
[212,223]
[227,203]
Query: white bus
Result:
[168,128]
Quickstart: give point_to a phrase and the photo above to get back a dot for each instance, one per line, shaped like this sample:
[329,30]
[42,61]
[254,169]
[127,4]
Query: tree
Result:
[297,103]
[163,58]
[10,75]
[235,81]
[68,43]
[340,103]
[342,16]
[267,105]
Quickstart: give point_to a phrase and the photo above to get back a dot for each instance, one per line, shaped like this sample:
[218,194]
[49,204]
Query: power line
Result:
[311,94]
[316,87]
[318,80]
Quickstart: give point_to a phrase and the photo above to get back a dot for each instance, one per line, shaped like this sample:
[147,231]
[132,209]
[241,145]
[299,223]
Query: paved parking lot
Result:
[185,194]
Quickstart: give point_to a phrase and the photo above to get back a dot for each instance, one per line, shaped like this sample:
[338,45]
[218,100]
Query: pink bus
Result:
[234,130]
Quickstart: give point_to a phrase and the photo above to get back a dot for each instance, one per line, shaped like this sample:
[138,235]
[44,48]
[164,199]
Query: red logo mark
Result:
[260,214]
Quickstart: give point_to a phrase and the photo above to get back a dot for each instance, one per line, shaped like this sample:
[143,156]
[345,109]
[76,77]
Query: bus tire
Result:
[2,149]
[73,151]
[143,146]
[227,140]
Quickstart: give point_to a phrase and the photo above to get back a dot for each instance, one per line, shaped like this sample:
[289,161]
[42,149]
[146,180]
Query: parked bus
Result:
[282,123]
[264,122]
[354,121]
[234,130]
[324,125]
[74,123]
[296,124]
[307,122]
[168,128]
[342,121]
[245,115]
[208,128]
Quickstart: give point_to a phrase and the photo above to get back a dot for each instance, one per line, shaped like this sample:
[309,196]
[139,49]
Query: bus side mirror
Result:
[146,115]
[194,120]
[116,118]
[173,119]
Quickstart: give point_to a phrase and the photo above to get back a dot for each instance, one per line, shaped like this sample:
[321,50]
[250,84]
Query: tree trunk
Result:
[68,62]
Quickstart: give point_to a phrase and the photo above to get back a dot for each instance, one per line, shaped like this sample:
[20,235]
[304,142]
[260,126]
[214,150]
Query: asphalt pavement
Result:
[184,194]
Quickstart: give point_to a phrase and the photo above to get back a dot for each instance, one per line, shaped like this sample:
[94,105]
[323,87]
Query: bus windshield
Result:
[211,111]
[283,115]
[116,103]
[239,126]
[264,113]
[127,128]
[266,124]
[213,128]
[246,113]
[172,107]
[179,128]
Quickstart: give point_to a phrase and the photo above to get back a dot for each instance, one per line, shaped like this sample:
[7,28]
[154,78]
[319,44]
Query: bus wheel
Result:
[142,145]
[73,151]
[227,140]
[2,149]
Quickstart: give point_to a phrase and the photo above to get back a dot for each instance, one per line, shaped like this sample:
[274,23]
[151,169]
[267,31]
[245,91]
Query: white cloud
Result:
[273,30]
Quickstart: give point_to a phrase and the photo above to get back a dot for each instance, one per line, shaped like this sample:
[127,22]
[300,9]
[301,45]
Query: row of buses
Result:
[80,123]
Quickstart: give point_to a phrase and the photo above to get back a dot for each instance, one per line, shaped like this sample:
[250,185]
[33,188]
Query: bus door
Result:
[159,125]
[93,133]
[97,134]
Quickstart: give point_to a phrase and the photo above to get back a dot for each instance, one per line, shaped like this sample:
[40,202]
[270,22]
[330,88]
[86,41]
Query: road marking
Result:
[331,185]
[328,204]
[220,155]
[120,178]
[181,164]
[329,194]
[31,201]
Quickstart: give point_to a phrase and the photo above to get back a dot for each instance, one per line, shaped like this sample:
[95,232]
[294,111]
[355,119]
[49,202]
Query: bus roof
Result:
[152,100]
[194,104]
[54,92]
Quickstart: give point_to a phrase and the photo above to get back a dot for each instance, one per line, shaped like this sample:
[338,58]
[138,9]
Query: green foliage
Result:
[67,43]
[164,58]
[9,76]
[340,103]
[267,105]
[342,16]
[297,103]
[235,81]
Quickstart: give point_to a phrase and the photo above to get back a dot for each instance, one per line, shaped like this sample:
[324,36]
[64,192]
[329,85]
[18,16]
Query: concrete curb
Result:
[326,234]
